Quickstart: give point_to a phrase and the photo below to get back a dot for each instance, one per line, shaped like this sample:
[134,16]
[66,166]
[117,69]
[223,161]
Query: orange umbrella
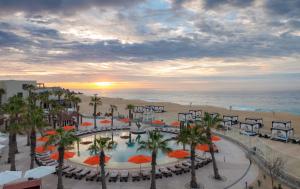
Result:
[50,132]
[139,159]
[178,154]
[215,138]
[67,155]
[41,149]
[105,121]
[157,122]
[175,124]
[42,139]
[95,160]
[69,128]
[86,124]
[125,120]
[205,147]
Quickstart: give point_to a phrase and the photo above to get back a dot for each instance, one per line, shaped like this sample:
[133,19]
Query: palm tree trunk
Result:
[28,139]
[95,112]
[102,162]
[12,152]
[215,167]
[32,147]
[193,183]
[153,164]
[61,151]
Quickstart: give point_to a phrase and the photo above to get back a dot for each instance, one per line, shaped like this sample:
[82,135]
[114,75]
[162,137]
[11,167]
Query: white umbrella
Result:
[9,176]
[39,172]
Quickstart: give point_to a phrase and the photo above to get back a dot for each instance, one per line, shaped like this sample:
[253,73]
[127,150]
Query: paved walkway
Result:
[231,161]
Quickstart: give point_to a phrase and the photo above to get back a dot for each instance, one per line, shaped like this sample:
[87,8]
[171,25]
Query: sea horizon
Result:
[258,101]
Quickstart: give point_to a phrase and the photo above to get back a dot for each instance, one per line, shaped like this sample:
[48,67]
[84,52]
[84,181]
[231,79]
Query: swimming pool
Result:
[123,151]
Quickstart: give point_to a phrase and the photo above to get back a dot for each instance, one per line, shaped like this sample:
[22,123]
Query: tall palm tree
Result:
[59,93]
[55,113]
[130,108]
[95,101]
[62,140]
[15,107]
[34,121]
[192,136]
[76,100]
[99,147]
[154,143]
[44,98]
[112,109]
[2,92]
[209,123]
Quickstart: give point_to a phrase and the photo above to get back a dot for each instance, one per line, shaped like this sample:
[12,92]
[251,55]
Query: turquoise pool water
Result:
[123,151]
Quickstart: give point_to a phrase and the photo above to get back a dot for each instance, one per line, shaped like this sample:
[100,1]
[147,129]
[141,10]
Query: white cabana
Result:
[255,120]
[39,172]
[226,124]
[9,176]
[214,114]
[196,114]
[282,130]
[250,129]
[233,118]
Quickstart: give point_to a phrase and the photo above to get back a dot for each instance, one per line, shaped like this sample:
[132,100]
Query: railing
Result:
[264,153]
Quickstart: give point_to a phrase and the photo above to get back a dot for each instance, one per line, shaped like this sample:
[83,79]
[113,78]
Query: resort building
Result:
[282,130]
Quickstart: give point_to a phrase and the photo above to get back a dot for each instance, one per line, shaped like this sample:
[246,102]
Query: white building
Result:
[15,87]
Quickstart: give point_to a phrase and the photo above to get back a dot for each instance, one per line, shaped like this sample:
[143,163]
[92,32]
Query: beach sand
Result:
[172,109]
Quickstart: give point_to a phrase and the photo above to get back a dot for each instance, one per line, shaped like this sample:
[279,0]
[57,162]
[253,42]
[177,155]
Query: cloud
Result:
[289,8]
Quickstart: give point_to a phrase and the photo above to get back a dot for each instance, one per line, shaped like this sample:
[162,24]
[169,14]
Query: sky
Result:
[203,45]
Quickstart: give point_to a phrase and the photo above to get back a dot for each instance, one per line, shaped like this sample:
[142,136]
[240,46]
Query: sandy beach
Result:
[172,109]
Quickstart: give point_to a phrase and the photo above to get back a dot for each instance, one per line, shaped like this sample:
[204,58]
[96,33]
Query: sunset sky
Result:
[152,44]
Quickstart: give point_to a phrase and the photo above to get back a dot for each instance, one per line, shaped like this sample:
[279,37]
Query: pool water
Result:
[122,152]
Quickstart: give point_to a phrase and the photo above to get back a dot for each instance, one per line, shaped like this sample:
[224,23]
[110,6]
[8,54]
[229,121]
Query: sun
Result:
[104,84]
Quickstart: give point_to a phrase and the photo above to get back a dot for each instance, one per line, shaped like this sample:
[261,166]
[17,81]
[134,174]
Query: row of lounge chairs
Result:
[101,129]
[168,130]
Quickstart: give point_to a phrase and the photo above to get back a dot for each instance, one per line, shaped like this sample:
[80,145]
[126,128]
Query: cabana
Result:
[234,119]
[255,120]
[214,114]
[250,129]
[282,130]
[138,112]
[158,109]
[226,124]
[196,114]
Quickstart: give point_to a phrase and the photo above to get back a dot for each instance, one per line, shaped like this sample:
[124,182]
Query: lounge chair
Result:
[145,174]
[183,168]
[82,174]
[72,173]
[113,176]
[158,174]
[176,171]
[136,176]
[99,177]
[124,176]
[68,170]
[91,176]
[165,172]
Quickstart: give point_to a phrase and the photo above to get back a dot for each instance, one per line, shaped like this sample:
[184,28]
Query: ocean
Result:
[270,101]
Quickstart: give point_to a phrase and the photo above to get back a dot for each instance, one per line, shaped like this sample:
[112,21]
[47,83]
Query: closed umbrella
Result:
[9,176]
[39,172]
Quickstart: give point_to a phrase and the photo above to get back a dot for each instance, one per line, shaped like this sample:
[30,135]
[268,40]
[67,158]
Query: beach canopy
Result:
[205,147]
[69,128]
[95,160]
[42,139]
[125,120]
[41,149]
[157,122]
[105,121]
[39,172]
[50,132]
[86,124]
[215,138]
[175,124]
[139,159]
[9,176]
[179,154]
[67,155]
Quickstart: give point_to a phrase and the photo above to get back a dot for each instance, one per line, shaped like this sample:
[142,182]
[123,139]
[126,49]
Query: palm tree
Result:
[62,139]
[210,122]
[15,107]
[58,93]
[34,121]
[101,145]
[76,100]
[56,113]
[112,109]
[44,98]
[2,92]
[192,136]
[95,101]
[154,143]
[130,108]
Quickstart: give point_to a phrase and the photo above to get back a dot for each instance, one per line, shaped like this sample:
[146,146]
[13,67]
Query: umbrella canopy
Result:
[50,132]
[178,154]
[95,160]
[175,124]
[205,147]
[157,122]
[42,139]
[39,172]
[67,155]
[69,128]
[86,124]
[105,121]
[9,176]
[125,120]
[139,159]
[215,138]
[41,149]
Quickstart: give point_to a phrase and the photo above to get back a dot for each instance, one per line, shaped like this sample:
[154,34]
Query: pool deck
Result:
[231,161]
